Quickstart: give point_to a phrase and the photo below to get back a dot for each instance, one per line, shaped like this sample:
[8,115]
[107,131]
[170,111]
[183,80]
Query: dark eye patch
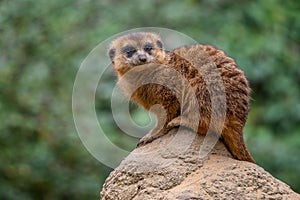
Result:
[148,48]
[129,50]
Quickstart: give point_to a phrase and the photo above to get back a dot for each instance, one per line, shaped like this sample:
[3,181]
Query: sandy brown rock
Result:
[171,168]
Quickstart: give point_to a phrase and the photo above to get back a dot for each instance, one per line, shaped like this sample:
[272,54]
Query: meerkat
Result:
[140,48]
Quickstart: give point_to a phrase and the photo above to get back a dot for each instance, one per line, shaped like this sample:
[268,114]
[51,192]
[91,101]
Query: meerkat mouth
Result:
[140,60]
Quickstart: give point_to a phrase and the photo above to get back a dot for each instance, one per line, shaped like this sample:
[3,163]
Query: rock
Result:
[171,168]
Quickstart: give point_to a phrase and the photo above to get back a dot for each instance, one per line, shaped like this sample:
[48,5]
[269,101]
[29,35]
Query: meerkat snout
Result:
[142,58]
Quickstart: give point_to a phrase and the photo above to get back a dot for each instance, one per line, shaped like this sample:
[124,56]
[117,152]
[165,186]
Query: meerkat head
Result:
[135,49]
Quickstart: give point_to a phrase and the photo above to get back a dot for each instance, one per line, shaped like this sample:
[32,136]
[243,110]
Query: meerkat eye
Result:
[129,50]
[148,48]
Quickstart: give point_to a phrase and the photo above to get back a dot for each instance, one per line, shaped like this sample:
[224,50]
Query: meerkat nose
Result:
[142,58]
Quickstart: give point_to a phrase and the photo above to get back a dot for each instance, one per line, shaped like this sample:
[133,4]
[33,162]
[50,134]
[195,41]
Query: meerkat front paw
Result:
[180,121]
[175,122]
[152,135]
[145,140]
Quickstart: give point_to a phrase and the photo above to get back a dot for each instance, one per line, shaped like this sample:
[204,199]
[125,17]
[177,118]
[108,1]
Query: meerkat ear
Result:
[159,44]
[112,54]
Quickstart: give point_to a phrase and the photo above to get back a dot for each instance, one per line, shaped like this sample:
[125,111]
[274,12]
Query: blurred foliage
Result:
[44,42]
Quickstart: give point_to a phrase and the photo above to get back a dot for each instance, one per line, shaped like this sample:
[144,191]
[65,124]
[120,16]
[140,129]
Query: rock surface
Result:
[172,168]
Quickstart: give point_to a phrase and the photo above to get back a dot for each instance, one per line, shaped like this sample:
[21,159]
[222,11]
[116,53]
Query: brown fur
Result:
[235,85]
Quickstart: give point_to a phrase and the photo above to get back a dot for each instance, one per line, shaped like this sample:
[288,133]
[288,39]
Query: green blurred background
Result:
[44,42]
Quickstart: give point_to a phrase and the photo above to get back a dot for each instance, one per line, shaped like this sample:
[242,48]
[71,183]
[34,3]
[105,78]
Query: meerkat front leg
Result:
[161,127]
[190,115]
